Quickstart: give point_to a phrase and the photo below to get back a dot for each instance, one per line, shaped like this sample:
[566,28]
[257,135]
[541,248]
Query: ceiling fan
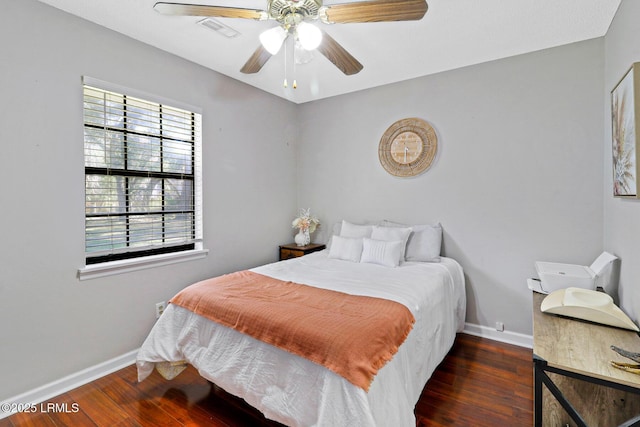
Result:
[295,16]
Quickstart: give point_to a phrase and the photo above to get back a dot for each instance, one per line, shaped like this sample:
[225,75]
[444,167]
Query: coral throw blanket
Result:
[354,336]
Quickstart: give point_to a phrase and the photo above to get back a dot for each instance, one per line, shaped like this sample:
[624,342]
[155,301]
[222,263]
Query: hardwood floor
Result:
[480,383]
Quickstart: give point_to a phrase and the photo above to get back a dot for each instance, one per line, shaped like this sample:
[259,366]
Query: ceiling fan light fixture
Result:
[272,39]
[294,17]
[309,35]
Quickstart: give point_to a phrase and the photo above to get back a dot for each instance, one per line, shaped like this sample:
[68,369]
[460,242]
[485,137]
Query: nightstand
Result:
[292,250]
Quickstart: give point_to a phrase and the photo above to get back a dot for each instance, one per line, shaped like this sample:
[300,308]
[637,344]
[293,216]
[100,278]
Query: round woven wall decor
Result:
[408,147]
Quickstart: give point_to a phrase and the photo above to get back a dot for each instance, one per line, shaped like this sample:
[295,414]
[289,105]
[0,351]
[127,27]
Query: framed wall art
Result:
[625,126]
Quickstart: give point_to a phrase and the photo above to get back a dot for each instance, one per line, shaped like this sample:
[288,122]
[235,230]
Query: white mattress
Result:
[297,392]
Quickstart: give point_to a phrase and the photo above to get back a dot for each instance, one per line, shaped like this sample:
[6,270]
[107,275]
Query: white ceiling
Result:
[453,34]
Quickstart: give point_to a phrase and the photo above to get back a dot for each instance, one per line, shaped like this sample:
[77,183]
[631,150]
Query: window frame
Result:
[127,260]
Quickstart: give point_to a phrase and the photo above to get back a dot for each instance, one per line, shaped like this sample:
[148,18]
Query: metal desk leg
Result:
[542,377]
[537,396]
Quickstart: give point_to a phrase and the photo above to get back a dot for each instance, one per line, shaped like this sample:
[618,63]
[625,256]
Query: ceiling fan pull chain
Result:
[293,57]
[285,65]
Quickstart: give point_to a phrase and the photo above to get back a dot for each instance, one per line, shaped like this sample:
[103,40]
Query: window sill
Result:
[125,266]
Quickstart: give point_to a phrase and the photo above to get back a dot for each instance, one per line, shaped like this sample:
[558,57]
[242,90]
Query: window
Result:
[142,177]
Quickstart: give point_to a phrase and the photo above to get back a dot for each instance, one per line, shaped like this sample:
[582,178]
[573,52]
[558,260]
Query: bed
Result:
[298,392]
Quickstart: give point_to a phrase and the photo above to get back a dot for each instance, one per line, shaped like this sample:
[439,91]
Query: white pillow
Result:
[334,232]
[355,230]
[387,253]
[424,243]
[391,234]
[346,248]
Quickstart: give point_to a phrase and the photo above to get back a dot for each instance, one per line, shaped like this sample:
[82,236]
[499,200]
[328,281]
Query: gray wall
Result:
[518,176]
[621,216]
[52,324]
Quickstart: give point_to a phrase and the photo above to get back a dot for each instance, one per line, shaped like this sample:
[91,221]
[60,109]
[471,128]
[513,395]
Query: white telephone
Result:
[587,304]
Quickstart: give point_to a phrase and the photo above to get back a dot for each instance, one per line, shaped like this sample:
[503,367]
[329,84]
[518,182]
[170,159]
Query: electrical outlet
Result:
[160,308]
[499,326]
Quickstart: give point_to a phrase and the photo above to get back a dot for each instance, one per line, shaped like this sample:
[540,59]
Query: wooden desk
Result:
[571,358]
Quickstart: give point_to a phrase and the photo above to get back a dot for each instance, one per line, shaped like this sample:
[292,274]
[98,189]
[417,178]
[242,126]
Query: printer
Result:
[554,276]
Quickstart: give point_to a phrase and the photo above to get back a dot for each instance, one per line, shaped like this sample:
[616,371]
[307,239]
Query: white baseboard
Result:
[85,376]
[55,388]
[514,338]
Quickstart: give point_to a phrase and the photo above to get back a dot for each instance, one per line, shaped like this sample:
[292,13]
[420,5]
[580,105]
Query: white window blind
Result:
[142,177]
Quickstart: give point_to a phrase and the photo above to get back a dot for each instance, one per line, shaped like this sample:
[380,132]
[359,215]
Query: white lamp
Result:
[309,35]
[272,39]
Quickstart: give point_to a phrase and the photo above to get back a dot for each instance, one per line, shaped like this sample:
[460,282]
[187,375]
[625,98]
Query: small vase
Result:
[302,238]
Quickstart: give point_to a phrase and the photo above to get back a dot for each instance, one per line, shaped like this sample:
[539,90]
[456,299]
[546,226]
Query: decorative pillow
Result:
[424,242]
[355,230]
[387,253]
[390,234]
[346,248]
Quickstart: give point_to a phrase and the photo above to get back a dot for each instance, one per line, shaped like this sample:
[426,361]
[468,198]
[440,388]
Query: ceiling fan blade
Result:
[256,61]
[338,55]
[376,11]
[203,10]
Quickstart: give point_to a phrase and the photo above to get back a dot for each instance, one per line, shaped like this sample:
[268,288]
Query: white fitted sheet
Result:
[297,392]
